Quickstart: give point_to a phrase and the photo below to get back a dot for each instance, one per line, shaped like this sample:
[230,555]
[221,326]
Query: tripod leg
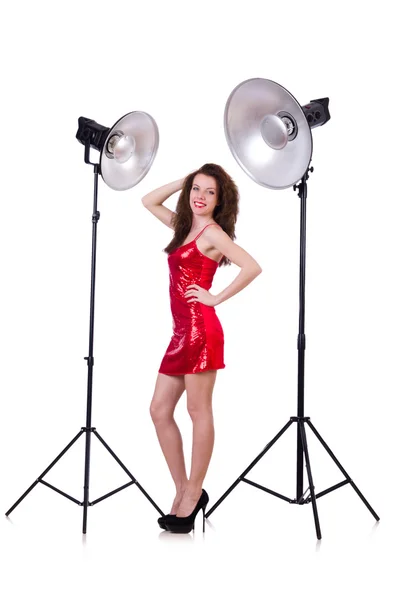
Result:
[257,459]
[309,475]
[332,455]
[127,471]
[40,477]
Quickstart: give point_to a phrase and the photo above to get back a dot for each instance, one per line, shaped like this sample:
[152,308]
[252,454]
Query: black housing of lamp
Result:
[316,112]
[269,134]
[90,131]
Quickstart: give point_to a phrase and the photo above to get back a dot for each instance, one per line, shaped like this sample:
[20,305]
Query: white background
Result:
[179,62]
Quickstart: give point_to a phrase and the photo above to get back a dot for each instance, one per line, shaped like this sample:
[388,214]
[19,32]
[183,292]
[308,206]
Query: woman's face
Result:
[203,195]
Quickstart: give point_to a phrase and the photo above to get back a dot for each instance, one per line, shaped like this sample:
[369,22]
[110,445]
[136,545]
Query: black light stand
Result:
[88,429]
[302,448]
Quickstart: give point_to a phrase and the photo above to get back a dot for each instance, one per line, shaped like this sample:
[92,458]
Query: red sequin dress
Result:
[197,341]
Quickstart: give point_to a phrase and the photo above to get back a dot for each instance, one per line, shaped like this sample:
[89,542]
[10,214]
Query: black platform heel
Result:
[186,524]
[162,520]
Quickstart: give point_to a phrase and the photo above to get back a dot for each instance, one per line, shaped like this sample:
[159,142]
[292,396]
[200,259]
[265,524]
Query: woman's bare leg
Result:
[168,390]
[199,388]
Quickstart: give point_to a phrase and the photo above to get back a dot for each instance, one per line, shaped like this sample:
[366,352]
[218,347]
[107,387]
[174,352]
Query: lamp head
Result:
[269,133]
[127,149]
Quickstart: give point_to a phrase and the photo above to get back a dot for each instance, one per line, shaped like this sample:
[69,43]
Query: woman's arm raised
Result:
[153,201]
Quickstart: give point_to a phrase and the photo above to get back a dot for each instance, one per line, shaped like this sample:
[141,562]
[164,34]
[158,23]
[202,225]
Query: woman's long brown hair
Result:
[225,213]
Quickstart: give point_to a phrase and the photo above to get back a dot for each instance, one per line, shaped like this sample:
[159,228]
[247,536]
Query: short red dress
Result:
[197,341]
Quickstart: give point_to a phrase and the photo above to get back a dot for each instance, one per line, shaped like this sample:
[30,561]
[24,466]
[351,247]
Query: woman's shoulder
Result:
[214,223]
[214,232]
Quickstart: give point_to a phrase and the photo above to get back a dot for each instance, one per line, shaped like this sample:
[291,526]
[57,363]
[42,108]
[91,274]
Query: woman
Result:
[203,225]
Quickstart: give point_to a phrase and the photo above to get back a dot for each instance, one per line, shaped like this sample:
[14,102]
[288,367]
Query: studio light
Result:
[269,135]
[127,151]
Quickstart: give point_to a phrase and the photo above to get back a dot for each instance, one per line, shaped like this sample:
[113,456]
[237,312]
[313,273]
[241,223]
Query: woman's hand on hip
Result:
[199,294]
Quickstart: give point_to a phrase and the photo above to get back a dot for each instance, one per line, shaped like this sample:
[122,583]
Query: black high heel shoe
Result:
[186,524]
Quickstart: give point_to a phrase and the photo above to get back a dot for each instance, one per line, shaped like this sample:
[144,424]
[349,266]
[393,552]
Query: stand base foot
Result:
[300,499]
[85,503]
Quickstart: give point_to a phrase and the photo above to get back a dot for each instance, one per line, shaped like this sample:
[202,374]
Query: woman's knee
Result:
[160,412]
[166,395]
[199,408]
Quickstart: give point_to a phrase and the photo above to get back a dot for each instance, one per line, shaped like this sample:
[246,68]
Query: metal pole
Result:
[90,357]
[302,193]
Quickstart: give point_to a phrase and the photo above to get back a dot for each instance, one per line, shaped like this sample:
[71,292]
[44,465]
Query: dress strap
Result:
[209,225]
